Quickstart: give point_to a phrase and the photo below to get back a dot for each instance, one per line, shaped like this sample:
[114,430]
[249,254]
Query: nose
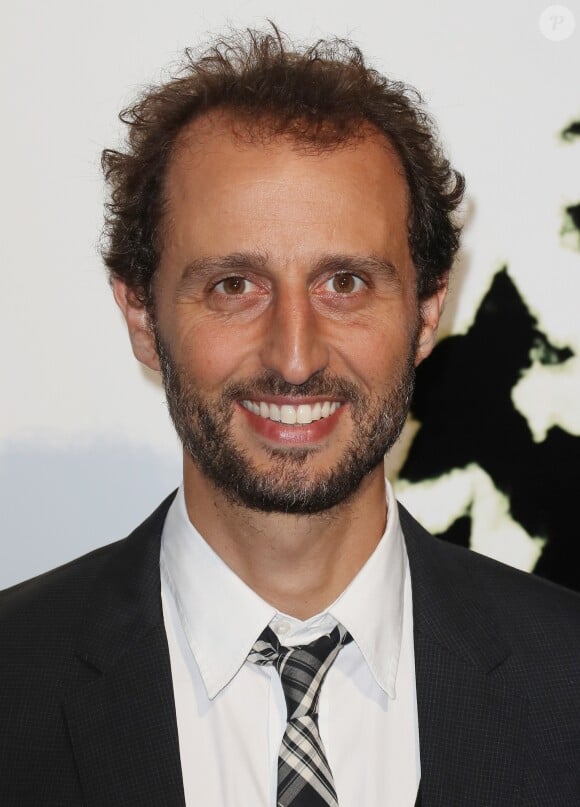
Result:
[294,345]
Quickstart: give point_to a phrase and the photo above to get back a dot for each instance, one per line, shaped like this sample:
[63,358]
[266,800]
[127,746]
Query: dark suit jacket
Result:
[87,715]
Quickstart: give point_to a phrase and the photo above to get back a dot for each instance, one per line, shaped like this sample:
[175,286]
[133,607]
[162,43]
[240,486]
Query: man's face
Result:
[287,325]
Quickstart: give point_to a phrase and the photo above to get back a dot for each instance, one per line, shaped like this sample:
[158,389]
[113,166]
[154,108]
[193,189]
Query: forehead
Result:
[228,184]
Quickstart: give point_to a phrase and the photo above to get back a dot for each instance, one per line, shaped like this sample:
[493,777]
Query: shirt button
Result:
[282,628]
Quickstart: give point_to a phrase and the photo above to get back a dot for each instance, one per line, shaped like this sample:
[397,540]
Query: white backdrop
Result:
[86,447]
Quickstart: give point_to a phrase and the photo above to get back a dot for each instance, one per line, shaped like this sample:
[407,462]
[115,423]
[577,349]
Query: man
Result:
[279,631]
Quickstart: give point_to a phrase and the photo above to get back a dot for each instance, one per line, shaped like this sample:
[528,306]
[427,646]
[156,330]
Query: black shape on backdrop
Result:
[572,131]
[459,532]
[574,212]
[462,401]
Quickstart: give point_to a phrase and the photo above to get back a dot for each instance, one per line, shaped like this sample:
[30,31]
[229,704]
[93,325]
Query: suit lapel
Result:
[121,718]
[471,723]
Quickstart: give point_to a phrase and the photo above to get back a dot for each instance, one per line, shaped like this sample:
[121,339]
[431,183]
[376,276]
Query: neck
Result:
[298,563]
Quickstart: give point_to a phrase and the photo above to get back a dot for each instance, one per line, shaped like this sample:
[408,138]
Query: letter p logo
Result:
[557,23]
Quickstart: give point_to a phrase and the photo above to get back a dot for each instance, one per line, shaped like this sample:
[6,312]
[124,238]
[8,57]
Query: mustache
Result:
[270,383]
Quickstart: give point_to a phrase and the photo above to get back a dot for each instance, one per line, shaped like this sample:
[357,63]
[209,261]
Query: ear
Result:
[430,310]
[138,324]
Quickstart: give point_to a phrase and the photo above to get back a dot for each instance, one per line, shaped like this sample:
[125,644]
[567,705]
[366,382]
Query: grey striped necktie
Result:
[304,777]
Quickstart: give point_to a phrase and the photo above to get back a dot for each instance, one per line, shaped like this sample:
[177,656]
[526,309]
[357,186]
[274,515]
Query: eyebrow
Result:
[200,269]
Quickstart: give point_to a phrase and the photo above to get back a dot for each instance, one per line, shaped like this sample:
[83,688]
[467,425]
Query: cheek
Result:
[211,355]
[377,352]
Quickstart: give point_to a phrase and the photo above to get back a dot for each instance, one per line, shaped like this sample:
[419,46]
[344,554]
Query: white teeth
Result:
[301,414]
[288,414]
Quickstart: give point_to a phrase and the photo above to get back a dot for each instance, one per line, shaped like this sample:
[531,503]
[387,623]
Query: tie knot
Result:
[302,669]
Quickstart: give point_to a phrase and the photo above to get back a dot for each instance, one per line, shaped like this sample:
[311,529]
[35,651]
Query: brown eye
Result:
[233,285]
[345,283]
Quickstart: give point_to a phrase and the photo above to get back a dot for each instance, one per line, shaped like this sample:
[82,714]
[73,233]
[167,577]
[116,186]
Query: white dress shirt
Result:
[231,714]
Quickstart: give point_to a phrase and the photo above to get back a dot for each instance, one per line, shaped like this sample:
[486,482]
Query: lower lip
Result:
[293,435]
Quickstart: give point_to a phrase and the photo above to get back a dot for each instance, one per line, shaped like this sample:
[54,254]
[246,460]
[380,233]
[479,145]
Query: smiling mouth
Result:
[292,415]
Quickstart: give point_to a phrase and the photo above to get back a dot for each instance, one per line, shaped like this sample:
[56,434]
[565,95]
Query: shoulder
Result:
[40,623]
[61,629]
[532,613]
[45,610]
[509,634]
[43,615]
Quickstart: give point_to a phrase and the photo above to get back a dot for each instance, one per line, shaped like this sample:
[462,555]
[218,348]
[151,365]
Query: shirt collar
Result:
[212,601]
[371,606]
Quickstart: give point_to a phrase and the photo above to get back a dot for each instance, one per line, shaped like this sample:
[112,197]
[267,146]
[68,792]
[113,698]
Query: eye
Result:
[344,283]
[233,286]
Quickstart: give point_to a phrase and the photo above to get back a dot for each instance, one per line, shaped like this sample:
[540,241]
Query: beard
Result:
[203,426]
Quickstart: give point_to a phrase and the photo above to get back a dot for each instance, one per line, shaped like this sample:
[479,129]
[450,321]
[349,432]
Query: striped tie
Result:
[304,777]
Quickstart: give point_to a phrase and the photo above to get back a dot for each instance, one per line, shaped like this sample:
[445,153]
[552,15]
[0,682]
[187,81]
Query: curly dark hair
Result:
[322,95]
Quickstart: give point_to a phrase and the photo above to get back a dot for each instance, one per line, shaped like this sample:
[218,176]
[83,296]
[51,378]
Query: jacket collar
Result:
[125,602]
[449,604]
[471,721]
[121,718]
